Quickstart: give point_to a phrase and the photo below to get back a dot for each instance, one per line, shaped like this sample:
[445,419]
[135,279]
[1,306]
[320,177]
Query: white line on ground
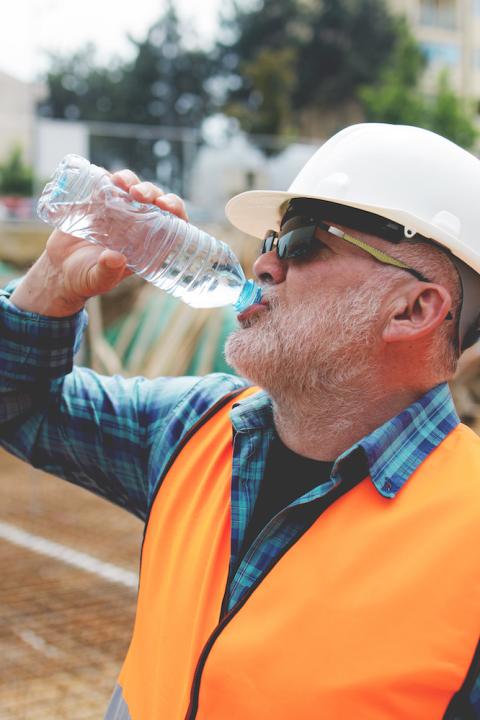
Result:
[38,643]
[77,559]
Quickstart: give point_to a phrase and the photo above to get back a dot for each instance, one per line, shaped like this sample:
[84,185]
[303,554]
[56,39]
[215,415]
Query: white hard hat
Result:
[406,174]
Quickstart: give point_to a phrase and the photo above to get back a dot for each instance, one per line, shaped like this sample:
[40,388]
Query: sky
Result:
[30,27]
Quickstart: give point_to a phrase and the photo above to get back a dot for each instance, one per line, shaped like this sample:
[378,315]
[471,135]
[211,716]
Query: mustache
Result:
[270,297]
[277,302]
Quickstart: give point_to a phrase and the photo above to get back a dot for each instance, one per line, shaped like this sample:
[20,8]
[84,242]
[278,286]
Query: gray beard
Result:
[311,349]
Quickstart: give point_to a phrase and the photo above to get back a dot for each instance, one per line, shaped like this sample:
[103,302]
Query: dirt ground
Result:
[63,631]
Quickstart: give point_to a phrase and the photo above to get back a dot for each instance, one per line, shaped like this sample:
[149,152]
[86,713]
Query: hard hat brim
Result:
[256,211]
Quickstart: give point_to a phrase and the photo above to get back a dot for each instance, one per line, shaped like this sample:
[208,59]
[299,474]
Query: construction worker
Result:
[312,532]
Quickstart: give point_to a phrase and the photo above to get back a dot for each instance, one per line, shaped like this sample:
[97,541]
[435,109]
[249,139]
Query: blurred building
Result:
[449,34]
[17,115]
[219,173]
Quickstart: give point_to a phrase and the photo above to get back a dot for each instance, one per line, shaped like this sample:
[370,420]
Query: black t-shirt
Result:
[287,477]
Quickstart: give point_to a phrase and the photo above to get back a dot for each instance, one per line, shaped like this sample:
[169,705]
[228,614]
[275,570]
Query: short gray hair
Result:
[435,264]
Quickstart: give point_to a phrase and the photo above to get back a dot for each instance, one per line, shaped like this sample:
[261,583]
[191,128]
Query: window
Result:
[441,53]
[439,13]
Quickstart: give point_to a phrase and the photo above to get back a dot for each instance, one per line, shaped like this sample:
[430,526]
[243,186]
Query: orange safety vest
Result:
[372,614]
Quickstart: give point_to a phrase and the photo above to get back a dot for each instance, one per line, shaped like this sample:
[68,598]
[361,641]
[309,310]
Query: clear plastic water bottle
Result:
[81,200]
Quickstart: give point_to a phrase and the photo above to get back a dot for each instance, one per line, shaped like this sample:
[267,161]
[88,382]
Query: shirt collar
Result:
[252,413]
[394,450]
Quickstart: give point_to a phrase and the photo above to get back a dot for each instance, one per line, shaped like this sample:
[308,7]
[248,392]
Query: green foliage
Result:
[16,178]
[80,90]
[165,84]
[309,54]
[351,40]
[273,77]
[450,117]
[277,59]
[397,97]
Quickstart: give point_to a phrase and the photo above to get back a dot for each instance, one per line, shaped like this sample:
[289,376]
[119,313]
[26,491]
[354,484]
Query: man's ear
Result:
[417,311]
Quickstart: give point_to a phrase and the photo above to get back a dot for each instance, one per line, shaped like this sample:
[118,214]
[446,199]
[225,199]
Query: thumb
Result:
[107,272]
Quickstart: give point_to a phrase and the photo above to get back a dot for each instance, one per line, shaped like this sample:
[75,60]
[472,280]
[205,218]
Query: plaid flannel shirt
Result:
[114,436]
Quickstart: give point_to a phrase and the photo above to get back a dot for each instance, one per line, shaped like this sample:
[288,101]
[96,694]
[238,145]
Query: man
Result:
[311,548]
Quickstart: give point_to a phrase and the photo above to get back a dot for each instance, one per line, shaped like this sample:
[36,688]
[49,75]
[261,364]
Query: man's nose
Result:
[269,269]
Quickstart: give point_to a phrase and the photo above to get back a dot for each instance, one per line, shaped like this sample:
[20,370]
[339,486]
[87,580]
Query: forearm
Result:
[67,420]
[110,435]
[34,348]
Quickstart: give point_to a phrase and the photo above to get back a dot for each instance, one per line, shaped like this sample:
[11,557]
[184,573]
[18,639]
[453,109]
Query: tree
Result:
[16,178]
[164,85]
[269,107]
[451,117]
[165,82]
[350,41]
[314,54]
[80,89]
[397,96]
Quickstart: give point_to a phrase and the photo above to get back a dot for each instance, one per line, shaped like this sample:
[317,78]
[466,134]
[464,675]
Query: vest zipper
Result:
[336,493]
[194,695]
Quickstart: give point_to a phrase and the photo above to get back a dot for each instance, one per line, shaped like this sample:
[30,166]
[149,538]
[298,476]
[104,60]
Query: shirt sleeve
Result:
[111,435]
[474,697]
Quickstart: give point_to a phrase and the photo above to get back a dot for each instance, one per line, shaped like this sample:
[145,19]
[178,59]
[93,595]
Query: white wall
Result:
[17,111]
[53,140]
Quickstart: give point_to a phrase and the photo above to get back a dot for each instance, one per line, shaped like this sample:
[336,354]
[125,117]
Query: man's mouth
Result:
[245,317]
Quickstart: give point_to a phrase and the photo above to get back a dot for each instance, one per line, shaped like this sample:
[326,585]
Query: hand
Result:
[147,192]
[71,269]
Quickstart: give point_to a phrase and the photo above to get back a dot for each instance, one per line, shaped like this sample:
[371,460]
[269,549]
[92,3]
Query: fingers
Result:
[173,204]
[147,192]
[125,179]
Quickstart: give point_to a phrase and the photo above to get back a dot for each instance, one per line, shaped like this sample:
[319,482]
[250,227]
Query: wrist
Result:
[42,291]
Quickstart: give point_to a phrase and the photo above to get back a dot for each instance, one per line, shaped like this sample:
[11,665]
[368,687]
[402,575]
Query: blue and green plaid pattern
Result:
[114,436]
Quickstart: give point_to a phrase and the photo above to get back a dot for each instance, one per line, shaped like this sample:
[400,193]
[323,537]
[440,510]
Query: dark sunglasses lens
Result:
[297,242]
[269,241]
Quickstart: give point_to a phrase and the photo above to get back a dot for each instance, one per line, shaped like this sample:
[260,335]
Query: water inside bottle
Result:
[77,218]
[164,250]
[200,274]
[184,276]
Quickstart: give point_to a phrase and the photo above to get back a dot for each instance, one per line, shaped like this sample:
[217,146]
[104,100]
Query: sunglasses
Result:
[297,239]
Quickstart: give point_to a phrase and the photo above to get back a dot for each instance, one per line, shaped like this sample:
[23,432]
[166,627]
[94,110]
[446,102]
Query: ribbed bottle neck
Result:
[250,294]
